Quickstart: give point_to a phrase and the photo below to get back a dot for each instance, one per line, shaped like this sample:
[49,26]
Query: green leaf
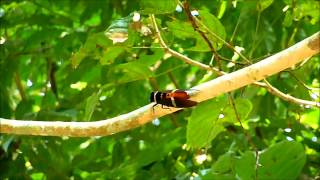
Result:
[245,166]
[24,107]
[150,59]
[264,4]
[311,118]
[224,164]
[158,7]
[91,103]
[182,30]
[222,9]
[288,19]
[132,71]
[211,176]
[215,26]
[48,100]
[77,57]
[284,159]
[110,54]
[204,123]
[213,23]
[243,107]
[91,48]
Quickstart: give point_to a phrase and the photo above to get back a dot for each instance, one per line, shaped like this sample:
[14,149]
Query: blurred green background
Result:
[57,63]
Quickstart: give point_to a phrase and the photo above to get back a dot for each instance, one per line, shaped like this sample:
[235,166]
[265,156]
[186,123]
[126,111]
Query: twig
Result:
[202,34]
[222,40]
[299,81]
[239,53]
[19,86]
[268,86]
[249,138]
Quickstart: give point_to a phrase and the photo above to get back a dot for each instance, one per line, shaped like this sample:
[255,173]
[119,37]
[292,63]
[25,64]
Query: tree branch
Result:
[266,85]
[208,90]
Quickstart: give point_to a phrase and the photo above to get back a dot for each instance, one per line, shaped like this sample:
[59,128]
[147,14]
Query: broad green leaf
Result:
[182,30]
[158,7]
[284,159]
[151,56]
[48,101]
[264,4]
[77,57]
[204,123]
[91,48]
[224,164]
[212,176]
[90,106]
[213,23]
[311,118]
[245,166]
[215,26]
[132,71]
[243,107]
[110,53]
[24,107]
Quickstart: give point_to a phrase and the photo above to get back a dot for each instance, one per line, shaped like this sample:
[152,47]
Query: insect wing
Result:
[179,95]
[185,103]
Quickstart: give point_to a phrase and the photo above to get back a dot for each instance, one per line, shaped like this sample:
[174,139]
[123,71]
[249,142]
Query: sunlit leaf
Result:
[264,4]
[311,118]
[204,125]
[245,166]
[224,164]
[90,106]
[284,159]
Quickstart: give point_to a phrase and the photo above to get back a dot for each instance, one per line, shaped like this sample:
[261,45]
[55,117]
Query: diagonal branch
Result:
[208,90]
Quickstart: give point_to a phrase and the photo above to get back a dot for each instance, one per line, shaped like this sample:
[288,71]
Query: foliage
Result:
[57,63]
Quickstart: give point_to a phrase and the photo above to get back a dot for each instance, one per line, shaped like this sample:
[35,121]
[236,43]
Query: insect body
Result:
[173,98]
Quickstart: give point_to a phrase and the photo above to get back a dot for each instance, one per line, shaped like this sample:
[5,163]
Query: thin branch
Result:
[255,34]
[197,29]
[300,81]
[19,86]
[208,90]
[249,138]
[266,85]
[234,62]
[222,40]
[239,53]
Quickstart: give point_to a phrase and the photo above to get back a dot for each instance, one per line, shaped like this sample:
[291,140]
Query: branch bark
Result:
[226,83]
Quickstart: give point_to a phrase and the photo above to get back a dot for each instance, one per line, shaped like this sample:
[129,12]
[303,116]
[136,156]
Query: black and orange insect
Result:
[172,98]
